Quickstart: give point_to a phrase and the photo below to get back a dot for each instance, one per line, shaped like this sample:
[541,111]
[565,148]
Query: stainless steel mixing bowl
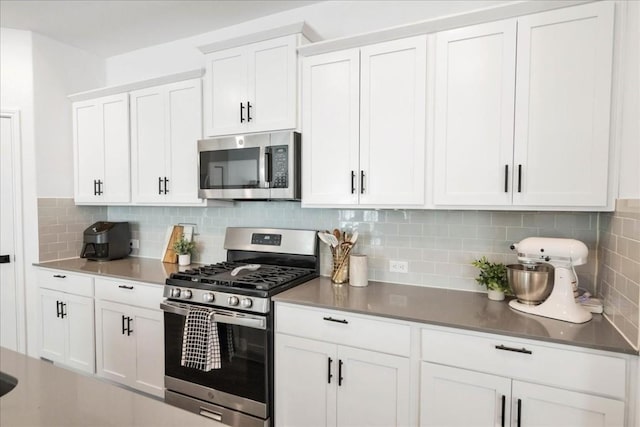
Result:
[531,283]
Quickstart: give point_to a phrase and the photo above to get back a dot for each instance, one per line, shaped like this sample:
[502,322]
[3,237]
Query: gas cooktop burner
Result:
[266,277]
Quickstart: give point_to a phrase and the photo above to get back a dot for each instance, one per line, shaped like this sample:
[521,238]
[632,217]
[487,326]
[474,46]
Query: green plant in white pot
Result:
[184,248]
[493,275]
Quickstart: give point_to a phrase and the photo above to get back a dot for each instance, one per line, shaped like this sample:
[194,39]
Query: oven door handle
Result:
[240,319]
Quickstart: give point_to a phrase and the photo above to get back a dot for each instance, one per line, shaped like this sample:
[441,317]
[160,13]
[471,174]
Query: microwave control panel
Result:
[279,166]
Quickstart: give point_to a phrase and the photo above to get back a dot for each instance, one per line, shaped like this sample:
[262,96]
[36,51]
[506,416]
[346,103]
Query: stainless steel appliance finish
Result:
[531,283]
[261,262]
[262,166]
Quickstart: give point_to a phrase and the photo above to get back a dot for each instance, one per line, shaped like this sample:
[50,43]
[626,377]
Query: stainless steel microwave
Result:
[262,166]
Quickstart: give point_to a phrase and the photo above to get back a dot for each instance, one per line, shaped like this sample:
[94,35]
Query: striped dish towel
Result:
[200,344]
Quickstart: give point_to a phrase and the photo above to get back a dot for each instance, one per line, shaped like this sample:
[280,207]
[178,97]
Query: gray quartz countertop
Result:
[140,269]
[47,395]
[444,307]
[457,309]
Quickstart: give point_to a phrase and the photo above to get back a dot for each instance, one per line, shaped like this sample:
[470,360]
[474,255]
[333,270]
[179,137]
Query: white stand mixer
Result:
[563,255]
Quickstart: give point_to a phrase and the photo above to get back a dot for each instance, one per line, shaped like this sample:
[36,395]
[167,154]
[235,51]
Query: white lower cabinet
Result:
[323,384]
[67,329]
[129,339]
[459,397]
[487,380]
[66,316]
[319,382]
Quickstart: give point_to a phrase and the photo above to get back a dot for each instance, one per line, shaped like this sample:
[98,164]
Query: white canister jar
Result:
[358,270]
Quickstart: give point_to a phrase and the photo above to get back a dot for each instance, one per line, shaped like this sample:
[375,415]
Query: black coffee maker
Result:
[105,241]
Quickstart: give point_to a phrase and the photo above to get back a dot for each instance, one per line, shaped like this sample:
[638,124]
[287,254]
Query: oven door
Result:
[234,167]
[242,382]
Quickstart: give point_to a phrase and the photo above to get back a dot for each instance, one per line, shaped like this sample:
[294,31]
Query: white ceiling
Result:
[111,27]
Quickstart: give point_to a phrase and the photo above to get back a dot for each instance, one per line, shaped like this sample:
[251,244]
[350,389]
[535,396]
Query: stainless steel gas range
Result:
[261,262]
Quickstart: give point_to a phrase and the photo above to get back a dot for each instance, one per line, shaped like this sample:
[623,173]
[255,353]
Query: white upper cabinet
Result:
[330,123]
[166,123]
[364,125]
[251,88]
[475,84]
[101,150]
[563,100]
[529,129]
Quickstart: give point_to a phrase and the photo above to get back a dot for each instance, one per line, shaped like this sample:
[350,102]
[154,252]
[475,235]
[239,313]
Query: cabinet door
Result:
[457,397]
[536,405]
[115,350]
[148,142]
[305,382]
[392,122]
[373,389]
[563,88]
[330,120]
[88,150]
[183,129]
[117,169]
[79,318]
[272,84]
[474,101]
[148,334]
[52,343]
[225,92]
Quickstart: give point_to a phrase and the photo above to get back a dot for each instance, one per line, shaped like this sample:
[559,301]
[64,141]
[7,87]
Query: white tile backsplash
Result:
[619,267]
[439,244]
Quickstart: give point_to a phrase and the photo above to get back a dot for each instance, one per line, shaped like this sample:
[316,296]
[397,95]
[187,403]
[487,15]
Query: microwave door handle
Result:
[268,166]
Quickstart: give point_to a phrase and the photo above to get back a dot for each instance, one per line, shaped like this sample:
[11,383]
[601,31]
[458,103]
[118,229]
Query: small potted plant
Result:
[184,248]
[493,275]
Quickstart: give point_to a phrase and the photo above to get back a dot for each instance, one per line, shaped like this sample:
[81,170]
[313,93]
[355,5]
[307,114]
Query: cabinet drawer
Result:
[128,292]
[508,357]
[344,328]
[64,281]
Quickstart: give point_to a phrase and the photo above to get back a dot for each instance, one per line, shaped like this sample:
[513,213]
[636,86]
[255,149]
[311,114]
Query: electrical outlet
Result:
[134,244]
[398,266]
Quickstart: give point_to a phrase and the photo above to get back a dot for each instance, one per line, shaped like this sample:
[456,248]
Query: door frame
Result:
[16,147]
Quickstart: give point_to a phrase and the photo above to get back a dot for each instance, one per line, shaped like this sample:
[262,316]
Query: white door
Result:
[563,88]
[330,128]
[183,122]
[306,374]
[148,333]
[52,329]
[148,145]
[225,92]
[11,302]
[373,389]
[536,405]
[272,84]
[114,348]
[80,349]
[461,398]
[474,102]
[392,122]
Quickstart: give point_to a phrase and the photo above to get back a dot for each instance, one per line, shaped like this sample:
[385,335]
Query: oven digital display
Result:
[266,239]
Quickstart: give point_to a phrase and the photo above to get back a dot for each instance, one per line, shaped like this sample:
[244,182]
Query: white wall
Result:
[331,19]
[629,186]
[36,75]
[58,70]
[16,92]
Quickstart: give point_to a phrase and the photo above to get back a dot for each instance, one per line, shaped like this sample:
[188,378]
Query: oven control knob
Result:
[233,301]
[208,297]
[186,294]
[246,302]
[175,293]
